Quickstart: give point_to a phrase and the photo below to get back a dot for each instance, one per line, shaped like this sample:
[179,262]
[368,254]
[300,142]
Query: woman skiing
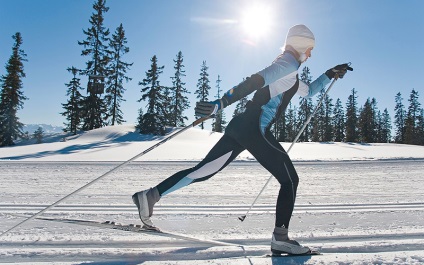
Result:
[274,87]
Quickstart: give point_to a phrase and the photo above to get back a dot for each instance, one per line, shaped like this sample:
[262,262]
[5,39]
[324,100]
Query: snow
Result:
[120,143]
[356,203]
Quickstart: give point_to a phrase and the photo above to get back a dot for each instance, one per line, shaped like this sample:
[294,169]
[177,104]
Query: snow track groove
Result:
[354,212]
[214,209]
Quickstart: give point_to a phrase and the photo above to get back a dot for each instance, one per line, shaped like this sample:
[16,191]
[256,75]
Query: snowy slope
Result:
[120,143]
[357,203]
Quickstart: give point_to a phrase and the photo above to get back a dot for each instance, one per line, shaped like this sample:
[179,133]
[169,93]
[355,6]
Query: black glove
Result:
[205,108]
[338,71]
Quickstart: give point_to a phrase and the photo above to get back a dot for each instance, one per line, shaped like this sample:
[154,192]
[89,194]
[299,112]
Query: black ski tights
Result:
[268,152]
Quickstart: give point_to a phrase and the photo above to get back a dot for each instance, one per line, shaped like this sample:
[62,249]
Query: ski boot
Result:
[145,200]
[281,244]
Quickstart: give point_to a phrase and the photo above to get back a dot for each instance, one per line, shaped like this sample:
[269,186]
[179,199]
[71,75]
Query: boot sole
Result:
[277,253]
[288,249]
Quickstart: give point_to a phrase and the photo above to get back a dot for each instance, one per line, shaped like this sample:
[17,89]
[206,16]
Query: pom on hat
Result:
[300,38]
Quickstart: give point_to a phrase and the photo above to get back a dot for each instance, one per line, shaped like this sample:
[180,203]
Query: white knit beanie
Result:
[300,38]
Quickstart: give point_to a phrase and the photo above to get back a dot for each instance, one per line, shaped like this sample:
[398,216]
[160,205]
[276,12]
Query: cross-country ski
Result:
[134,228]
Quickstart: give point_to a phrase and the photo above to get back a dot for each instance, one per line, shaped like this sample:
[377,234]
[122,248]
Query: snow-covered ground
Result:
[357,203]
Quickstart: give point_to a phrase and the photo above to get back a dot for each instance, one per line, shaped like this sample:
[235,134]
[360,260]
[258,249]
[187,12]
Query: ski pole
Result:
[241,218]
[195,123]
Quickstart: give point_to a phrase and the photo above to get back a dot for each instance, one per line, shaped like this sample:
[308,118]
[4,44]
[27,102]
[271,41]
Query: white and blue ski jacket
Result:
[278,83]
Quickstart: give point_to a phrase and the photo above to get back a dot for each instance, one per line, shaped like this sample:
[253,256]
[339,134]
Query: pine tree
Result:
[365,123]
[339,121]
[95,46]
[420,125]
[219,121]
[375,125]
[203,86]
[378,128]
[280,128]
[291,122]
[11,95]
[399,119]
[305,76]
[240,107]
[351,118]
[153,121]
[305,108]
[140,119]
[318,133]
[386,127]
[167,105]
[328,119]
[73,108]
[411,122]
[117,75]
[180,100]
[38,135]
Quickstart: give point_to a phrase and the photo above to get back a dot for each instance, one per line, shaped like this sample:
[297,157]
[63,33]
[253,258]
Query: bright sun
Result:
[256,21]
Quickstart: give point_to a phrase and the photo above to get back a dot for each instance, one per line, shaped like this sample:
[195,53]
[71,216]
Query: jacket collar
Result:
[292,51]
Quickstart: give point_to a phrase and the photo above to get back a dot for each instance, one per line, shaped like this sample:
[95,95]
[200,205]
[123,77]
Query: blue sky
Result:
[382,38]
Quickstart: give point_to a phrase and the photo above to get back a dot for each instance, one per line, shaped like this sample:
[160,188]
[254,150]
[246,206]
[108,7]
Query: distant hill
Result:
[47,129]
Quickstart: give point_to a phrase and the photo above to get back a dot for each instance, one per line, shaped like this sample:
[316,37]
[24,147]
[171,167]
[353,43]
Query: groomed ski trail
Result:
[376,219]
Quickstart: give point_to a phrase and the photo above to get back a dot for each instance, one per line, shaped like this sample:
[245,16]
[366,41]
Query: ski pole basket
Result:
[96,84]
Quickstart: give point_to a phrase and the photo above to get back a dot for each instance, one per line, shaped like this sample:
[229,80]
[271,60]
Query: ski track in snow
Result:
[376,219]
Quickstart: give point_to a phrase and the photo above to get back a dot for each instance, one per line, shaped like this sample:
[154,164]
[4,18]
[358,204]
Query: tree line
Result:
[165,105]
[335,122]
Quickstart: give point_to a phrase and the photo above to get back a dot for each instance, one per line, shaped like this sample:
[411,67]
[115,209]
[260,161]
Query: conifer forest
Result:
[163,101]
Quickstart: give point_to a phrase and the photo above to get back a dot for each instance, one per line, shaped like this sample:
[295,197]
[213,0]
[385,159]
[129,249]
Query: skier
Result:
[275,86]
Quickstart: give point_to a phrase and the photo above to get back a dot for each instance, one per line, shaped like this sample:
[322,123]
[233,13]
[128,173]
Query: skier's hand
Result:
[206,108]
[338,71]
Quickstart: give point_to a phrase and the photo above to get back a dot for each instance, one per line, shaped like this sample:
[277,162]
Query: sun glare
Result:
[256,21]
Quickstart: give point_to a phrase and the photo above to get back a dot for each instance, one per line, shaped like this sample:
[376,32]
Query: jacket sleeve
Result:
[316,86]
[284,66]
[243,89]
